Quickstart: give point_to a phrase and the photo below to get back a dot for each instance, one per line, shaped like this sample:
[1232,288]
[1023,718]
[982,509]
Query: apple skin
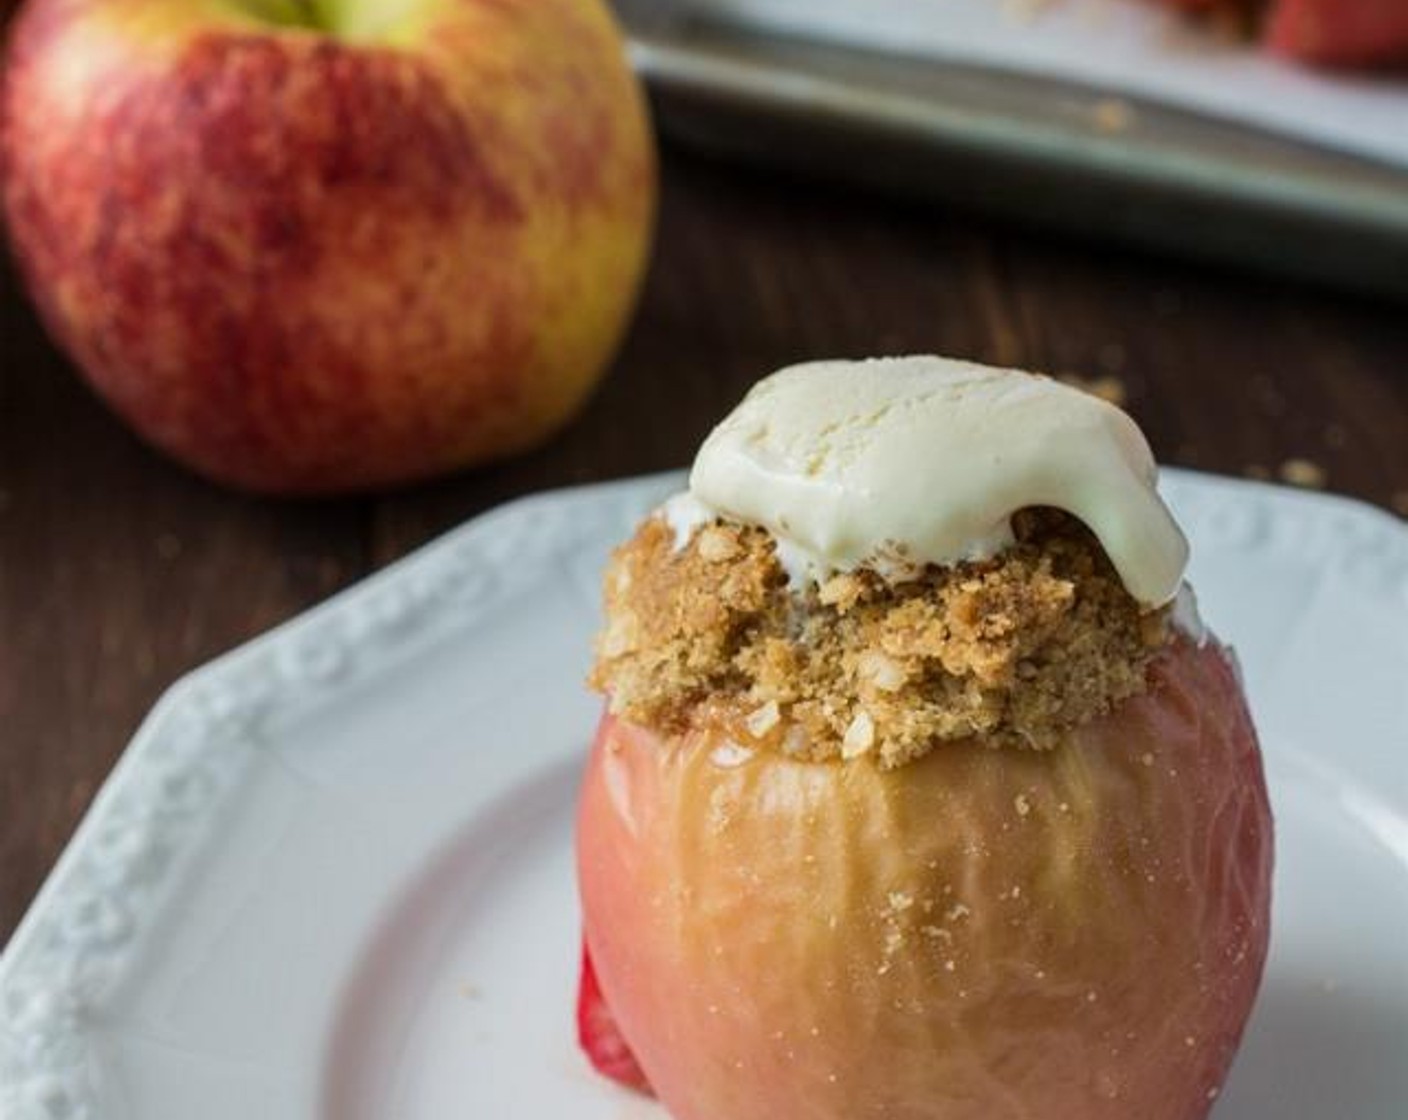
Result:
[1076,934]
[1340,32]
[311,260]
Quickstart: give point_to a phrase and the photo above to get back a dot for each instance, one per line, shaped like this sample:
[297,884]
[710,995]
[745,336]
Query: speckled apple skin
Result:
[305,262]
[986,934]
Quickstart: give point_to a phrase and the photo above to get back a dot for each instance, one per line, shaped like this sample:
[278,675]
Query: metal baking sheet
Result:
[1080,158]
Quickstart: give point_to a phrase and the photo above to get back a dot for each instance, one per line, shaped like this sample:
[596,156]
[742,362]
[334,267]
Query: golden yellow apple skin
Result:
[981,935]
[325,247]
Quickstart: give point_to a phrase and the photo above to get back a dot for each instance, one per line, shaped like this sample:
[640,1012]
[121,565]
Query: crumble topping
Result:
[1016,649]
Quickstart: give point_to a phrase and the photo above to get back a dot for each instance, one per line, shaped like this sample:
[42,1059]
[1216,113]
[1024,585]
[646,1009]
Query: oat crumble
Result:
[1017,649]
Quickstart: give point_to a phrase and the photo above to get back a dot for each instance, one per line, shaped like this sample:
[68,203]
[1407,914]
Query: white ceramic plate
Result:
[331,877]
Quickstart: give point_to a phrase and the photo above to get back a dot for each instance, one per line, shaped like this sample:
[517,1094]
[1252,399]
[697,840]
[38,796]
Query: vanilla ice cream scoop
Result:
[895,463]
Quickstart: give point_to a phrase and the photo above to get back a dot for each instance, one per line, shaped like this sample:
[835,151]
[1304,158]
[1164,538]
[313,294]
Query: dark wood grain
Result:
[118,572]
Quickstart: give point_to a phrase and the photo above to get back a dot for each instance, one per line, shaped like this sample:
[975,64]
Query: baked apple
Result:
[1340,32]
[1322,32]
[881,825]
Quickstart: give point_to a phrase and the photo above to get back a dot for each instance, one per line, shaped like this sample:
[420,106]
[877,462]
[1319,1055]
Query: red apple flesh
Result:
[1075,934]
[309,247]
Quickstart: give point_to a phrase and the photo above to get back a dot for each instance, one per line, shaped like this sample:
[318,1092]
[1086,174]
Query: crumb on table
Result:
[1303,473]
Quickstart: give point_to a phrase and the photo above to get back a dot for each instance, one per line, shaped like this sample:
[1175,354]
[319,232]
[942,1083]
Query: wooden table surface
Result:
[119,572]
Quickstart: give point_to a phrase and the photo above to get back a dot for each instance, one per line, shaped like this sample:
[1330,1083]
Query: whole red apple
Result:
[310,247]
[984,934]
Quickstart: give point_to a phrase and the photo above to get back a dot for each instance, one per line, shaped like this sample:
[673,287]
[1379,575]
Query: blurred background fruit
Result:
[1323,32]
[1341,32]
[307,247]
